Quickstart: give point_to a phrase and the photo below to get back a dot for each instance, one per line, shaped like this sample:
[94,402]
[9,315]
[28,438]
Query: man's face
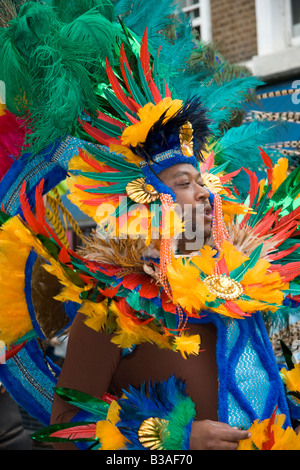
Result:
[191,195]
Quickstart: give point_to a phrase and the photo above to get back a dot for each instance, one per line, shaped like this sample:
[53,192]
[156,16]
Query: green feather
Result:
[179,419]
[68,10]
[84,401]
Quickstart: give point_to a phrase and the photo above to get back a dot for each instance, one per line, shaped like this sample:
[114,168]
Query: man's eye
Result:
[185,183]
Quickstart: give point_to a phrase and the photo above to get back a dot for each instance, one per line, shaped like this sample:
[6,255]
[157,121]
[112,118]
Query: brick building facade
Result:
[233,26]
[263,34]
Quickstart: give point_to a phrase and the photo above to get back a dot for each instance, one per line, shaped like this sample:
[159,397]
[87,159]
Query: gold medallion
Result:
[223,287]
[141,192]
[152,433]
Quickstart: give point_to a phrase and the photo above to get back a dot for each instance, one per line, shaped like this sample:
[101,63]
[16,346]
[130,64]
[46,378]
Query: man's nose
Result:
[201,193]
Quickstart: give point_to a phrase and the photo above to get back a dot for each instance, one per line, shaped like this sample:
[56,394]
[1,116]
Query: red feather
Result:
[117,87]
[11,352]
[27,212]
[282,254]
[166,303]
[85,431]
[287,272]
[108,398]
[253,192]
[132,119]
[109,291]
[124,63]
[209,163]
[97,201]
[125,308]
[98,135]
[145,61]
[268,162]
[253,185]
[266,223]
[111,120]
[94,164]
[64,256]
[229,176]
[268,444]
[167,91]
[148,289]
[222,266]
[232,307]
[294,215]
[39,203]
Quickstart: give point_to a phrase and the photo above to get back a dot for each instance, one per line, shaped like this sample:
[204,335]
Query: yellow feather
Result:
[148,115]
[113,412]
[110,436]
[126,152]
[233,257]
[205,261]
[291,379]
[187,345]
[284,439]
[279,173]
[128,333]
[97,313]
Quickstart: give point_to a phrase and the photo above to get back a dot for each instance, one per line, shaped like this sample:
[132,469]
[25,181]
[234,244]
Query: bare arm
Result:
[89,366]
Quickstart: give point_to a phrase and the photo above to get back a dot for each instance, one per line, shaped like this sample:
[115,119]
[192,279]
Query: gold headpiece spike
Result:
[186,139]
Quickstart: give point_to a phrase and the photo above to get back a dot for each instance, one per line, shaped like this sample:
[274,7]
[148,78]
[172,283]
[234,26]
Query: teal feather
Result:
[109,177]
[238,273]
[241,144]
[114,160]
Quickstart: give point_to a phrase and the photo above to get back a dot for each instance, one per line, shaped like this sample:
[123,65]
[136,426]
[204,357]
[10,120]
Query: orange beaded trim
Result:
[219,232]
[165,260]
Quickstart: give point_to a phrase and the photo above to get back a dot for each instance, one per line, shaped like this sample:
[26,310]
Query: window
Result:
[199,12]
[295,13]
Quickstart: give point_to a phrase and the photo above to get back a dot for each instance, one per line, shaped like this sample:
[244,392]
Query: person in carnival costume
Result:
[168,347]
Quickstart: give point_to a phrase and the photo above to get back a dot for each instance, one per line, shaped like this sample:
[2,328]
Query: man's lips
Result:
[208,212]
[204,210]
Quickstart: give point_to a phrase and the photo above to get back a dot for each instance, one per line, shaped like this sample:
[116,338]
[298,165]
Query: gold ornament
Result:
[212,182]
[152,433]
[186,139]
[141,192]
[223,287]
